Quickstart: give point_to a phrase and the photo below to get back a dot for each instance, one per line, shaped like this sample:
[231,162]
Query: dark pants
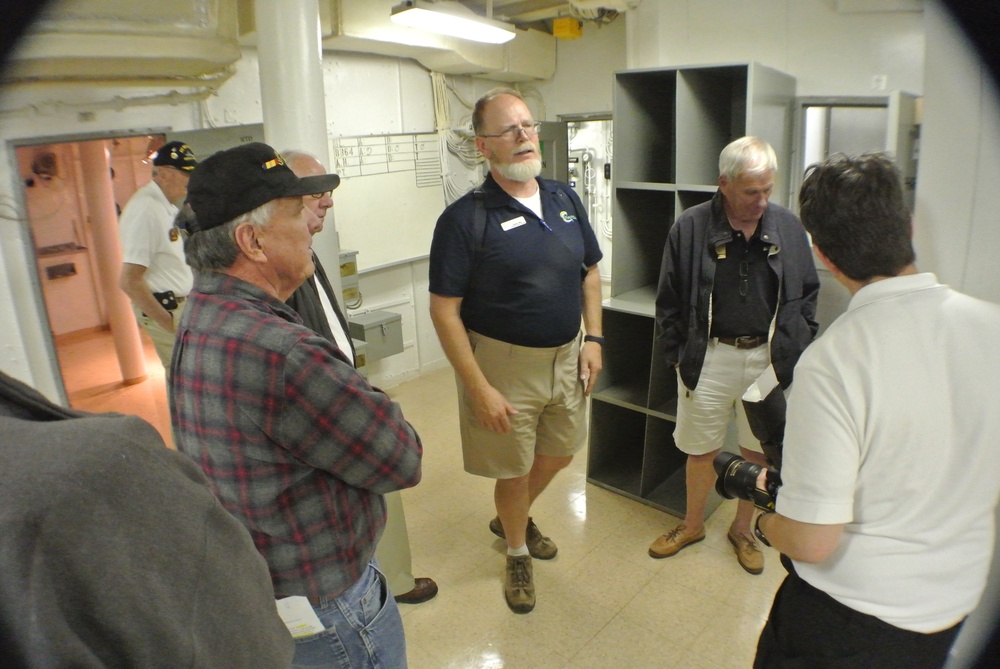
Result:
[809,629]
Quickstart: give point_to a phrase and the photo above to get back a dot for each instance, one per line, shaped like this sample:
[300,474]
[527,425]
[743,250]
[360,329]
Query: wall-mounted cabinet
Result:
[669,127]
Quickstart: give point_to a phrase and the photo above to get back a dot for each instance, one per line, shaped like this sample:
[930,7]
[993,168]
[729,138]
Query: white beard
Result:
[521,171]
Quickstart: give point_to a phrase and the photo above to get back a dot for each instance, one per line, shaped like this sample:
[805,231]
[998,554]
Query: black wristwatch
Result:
[595,339]
[756,530]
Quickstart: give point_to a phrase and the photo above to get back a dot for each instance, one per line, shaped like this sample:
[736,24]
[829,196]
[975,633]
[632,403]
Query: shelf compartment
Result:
[617,442]
[641,301]
[661,458]
[625,377]
[645,101]
[664,483]
[644,185]
[690,198]
[671,496]
[642,219]
[712,111]
[662,386]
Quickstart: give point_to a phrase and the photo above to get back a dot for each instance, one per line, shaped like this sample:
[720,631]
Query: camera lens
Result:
[737,477]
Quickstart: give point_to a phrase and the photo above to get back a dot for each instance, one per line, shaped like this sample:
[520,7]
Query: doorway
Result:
[824,126]
[66,259]
[590,144]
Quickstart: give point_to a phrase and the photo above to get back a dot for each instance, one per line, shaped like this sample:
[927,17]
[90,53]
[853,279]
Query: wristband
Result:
[595,339]
[757,533]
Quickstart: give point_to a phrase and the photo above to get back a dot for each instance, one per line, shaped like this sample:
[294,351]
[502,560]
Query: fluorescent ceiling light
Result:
[453,19]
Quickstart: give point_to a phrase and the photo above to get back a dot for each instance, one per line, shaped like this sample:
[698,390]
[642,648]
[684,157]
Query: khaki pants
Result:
[393,550]
[163,340]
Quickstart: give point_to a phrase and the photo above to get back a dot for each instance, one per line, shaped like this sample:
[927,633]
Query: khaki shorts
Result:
[543,384]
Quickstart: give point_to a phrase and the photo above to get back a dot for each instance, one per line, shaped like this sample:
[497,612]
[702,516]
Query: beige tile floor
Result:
[602,602]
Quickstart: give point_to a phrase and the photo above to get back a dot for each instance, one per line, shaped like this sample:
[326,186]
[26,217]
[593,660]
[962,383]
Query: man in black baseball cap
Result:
[154,274]
[296,443]
[175,154]
[235,181]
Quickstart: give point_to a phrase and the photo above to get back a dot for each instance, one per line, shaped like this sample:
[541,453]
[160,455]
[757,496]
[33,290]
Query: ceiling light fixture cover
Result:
[452,19]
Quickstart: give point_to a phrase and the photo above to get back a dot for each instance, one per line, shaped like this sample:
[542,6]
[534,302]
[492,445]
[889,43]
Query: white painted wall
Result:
[583,82]
[828,52]
[958,203]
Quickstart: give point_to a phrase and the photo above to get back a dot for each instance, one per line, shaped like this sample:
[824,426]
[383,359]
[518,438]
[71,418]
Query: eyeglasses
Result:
[744,273]
[529,129]
[320,196]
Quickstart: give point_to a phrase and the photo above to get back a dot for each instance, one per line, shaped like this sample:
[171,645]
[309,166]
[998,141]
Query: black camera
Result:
[738,476]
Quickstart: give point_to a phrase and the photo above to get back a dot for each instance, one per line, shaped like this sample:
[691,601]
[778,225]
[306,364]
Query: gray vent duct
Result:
[130,41]
[195,43]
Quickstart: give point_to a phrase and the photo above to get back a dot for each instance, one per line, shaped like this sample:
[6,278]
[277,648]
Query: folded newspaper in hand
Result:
[762,387]
[764,404]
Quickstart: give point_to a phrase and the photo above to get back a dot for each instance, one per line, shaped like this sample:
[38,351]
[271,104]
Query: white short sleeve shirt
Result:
[149,239]
[893,429]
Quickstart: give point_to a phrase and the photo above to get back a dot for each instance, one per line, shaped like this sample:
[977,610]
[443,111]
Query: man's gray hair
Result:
[480,108]
[215,249]
[747,156]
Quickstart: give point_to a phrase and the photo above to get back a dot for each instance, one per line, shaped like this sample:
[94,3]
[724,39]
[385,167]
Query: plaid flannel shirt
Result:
[296,443]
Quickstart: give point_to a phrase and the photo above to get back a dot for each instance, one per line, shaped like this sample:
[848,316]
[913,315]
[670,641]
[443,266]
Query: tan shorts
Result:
[543,384]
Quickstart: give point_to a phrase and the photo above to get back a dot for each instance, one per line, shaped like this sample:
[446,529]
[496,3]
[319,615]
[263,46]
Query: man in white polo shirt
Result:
[154,274]
[891,477]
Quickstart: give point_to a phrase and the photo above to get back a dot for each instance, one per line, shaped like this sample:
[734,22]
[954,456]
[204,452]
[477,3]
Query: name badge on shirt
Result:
[512,223]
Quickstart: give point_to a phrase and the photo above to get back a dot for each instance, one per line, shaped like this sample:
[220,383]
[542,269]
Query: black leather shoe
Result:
[423,589]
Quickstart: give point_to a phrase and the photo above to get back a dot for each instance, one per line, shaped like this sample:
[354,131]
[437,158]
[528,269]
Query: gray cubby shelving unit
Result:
[670,124]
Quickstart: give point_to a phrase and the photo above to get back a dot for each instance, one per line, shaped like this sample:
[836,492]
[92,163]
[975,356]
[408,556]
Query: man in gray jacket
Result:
[116,554]
[737,293]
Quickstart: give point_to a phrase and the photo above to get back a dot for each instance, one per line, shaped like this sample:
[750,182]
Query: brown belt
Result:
[744,342]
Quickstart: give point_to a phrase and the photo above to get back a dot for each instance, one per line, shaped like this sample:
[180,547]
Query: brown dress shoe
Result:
[673,541]
[423,589]
[747,553]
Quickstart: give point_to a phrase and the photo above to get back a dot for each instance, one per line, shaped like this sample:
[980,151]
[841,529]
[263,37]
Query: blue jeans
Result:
[363,629]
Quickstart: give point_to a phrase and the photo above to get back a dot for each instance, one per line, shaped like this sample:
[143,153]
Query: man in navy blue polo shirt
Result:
[513,266]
